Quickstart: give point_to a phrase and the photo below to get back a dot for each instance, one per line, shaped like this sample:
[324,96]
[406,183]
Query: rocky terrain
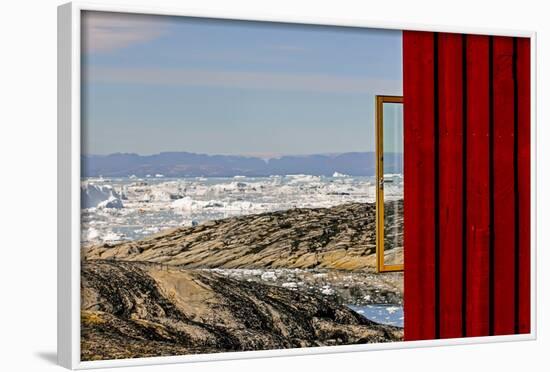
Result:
[266,281]
[133,309]
[341,237]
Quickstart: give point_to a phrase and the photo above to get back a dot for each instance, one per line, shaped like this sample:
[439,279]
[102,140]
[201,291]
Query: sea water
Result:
[381,313]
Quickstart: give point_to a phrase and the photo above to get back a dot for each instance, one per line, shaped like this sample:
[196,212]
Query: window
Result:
[389,183]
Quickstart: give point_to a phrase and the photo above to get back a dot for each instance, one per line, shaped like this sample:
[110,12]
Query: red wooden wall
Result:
[467,191]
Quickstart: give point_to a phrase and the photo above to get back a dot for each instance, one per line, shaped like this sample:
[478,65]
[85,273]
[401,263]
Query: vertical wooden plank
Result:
[450,184]
[477,155]
[524,186]
[418,95]
[503,192]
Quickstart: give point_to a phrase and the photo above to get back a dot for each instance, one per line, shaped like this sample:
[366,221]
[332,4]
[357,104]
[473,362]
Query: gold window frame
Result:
[379,112]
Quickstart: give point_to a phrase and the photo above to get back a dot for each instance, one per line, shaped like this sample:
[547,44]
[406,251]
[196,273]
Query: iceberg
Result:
[302,178]
[90,234]
[93,195]
[339,175]
[185,204]
[112,202]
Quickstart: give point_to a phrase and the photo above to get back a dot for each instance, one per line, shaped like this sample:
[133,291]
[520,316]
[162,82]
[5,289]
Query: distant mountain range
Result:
[185,164]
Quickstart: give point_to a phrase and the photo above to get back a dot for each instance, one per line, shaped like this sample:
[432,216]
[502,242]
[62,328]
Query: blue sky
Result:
[158,83]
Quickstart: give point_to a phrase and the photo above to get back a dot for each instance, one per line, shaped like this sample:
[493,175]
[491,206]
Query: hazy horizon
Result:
[153,84]
[251,155]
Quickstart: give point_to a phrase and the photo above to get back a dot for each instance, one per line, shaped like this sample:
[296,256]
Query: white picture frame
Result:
[69,186]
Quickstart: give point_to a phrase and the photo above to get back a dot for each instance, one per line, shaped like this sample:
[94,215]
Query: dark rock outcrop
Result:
[132,309]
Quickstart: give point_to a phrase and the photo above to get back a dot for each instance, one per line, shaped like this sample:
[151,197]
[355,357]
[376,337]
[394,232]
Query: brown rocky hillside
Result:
[341,237]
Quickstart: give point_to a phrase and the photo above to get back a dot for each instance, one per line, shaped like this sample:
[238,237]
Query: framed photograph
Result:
[240,186]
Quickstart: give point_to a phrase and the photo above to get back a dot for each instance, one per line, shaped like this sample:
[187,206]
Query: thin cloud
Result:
[105,32]
[245,80]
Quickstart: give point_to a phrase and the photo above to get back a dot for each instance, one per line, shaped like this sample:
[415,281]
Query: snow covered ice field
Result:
[130,208]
